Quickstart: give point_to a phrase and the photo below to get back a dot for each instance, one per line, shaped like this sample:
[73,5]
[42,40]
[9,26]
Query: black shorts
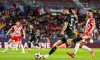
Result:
[33,38]
[68,35]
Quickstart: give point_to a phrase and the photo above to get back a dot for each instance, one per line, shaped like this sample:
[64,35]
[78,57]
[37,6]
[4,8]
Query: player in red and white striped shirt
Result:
[16,36]
[90,26]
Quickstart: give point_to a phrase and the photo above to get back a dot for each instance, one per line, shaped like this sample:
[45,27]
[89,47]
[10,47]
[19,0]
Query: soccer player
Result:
[32,37]
[17,35]
[38,33]
[90,26]
[68,22]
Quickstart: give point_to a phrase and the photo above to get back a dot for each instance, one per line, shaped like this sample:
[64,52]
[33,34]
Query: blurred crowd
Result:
[50,24]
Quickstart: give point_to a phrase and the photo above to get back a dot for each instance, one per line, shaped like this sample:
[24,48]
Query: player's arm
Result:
[9,31]
[74,14]
[64,28]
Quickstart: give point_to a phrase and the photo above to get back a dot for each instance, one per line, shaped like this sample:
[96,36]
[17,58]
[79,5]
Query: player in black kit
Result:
[66,31]
[38,33]
[32,37]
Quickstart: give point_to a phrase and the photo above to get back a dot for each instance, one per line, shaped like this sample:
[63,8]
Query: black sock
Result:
[52,50]
[77,39]
[29,45]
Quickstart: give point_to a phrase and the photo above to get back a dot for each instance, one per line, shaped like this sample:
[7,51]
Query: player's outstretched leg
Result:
[89,49]
[7,45]
[75,50]
[53,49]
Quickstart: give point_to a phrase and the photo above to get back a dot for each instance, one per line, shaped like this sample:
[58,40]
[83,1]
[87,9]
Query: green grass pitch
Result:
[60,54]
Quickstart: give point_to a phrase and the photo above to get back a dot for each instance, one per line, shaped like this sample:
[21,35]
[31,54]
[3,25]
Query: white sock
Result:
[13,45]
[7,47]
[22,48]
[86,48]
[47,54]
[76,48]
[16,46]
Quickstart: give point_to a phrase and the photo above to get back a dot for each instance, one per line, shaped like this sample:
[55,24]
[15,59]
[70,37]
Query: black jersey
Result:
[32,32]
[68,32]
[70,19]
[38,34]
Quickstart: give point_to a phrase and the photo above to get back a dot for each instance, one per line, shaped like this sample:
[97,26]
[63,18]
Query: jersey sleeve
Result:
[12,28]
[92,21]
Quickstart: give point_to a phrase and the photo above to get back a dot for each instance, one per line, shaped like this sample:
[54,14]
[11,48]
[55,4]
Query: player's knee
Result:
[80,42]
[55,45]
[20,43]
[58,43]
[8,42]
[81,45]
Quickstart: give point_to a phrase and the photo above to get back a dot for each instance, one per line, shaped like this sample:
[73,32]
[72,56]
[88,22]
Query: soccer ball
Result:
[38,56]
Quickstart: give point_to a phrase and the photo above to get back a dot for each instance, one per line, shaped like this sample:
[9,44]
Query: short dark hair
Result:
[65,8]
[90,11]
[31,25]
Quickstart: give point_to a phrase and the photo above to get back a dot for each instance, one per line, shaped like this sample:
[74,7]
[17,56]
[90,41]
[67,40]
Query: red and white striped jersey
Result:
[17,30]
[89,24]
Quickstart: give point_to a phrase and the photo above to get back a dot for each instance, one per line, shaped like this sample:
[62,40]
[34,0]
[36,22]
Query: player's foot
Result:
[92,52]
[23,52]
[46,56]
[29,50]
[4,51]
[71,54]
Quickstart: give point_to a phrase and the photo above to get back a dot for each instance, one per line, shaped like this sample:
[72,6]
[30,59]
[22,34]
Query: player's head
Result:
[18,23]
[38,30]
[89,13]
[31,26]
[65,10]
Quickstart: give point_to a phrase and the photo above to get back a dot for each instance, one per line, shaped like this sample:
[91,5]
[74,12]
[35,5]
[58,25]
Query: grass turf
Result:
[60,54]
